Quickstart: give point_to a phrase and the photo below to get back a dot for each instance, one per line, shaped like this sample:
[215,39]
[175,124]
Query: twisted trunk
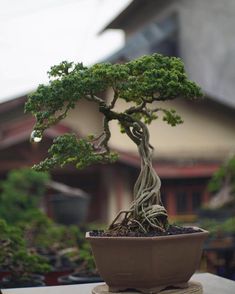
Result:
[146,212]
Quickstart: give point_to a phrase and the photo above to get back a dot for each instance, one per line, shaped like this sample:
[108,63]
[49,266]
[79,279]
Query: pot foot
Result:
[185,288]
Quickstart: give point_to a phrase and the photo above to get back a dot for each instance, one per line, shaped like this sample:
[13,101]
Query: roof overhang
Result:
[122,18]
[172,169]
[17,131]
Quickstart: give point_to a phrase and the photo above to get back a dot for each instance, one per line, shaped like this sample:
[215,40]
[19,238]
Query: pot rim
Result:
[162,238]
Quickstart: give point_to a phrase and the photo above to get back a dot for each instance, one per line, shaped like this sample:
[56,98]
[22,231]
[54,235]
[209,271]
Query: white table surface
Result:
[212,284]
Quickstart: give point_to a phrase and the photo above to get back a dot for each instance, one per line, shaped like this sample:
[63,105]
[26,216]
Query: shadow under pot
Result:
[75,279]
[32,281]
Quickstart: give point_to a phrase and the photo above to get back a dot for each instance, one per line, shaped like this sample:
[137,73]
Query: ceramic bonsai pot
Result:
[147,264]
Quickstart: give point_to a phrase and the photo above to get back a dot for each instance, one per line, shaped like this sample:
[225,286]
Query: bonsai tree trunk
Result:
[147,212]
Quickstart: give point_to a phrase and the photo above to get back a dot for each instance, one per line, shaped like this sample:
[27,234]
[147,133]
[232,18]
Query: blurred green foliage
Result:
[224,176]
[21,193]
[86,257]
[215,227]
[15,256]
[24,228]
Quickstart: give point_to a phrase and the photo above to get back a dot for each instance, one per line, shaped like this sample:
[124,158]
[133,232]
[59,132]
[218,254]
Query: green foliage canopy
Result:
[142,82]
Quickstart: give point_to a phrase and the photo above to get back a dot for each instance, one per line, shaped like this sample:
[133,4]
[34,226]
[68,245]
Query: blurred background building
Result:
[185,156]
[201,32]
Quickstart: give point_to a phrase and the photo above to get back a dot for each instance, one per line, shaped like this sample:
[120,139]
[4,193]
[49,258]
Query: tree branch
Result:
[135,109]
[106,135]
[114,99]
[95,98]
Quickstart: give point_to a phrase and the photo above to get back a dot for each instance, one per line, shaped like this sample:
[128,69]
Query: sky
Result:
[34,35]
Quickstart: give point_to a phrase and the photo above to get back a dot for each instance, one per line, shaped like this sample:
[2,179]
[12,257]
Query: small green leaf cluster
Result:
[147,118]
[171,117]
[157,77]
[62,69]
[68,149]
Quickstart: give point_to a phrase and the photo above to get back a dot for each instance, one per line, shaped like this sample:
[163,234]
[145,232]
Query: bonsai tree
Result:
[21,194]
[142,83]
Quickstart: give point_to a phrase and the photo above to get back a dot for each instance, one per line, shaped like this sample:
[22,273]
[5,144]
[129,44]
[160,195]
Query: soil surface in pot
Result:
[172,230]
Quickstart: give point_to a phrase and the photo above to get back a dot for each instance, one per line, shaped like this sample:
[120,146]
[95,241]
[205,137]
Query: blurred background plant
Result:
[55,242]
[87,261]
[31,242]
[218,228]
[17,260]
[21,194]
[222,184]
[218,217]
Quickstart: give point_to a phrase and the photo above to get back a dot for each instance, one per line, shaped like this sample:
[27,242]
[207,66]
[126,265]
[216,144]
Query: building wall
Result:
[85,118]
[206,39]
[119,191]
[139,19]
[207,44]
[207,132]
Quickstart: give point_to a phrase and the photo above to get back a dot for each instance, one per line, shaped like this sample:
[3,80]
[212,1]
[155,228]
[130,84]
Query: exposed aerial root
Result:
[147,212]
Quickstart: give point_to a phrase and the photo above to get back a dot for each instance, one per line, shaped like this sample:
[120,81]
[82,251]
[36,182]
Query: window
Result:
[196,200]
[181,202]
[164,199]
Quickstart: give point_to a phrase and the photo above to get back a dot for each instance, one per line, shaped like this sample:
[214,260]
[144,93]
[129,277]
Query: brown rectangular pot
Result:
[147,264]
